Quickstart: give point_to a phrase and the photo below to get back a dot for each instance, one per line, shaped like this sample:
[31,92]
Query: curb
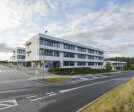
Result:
[98,98]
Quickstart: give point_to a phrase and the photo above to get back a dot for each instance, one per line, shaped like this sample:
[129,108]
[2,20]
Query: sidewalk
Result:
[50,75]
[34,74]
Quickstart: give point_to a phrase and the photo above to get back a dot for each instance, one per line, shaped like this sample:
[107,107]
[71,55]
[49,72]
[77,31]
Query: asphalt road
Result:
[13,78]
[8,73]
[59,97]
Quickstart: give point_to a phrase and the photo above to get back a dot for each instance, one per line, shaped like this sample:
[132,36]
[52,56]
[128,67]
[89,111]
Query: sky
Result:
[104,24]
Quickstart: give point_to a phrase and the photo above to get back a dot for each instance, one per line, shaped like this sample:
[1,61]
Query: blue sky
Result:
[106,24]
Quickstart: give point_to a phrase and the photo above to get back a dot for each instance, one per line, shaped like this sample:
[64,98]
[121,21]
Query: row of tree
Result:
[130,61]
[3,62]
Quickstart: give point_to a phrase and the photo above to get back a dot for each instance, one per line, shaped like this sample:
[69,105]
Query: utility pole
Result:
[43,57]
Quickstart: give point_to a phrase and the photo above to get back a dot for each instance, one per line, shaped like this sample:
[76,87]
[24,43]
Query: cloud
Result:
[81,38]
[14,13]
[5,48]
[107,25]
[104,28]
[54,27]
[118,49]
[53,4]
[104,24]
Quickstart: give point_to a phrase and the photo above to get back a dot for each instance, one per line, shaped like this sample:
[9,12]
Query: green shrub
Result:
[67,71]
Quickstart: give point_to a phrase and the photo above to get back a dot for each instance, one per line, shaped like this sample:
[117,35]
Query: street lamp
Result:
[44,55]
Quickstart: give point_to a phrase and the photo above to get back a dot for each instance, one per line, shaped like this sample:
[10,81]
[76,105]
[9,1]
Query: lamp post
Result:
[44,56]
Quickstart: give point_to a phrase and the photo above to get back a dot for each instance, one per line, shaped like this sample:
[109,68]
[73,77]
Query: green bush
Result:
[67,71]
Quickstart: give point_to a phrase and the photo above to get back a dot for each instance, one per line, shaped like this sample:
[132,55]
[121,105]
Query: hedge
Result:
[67,71]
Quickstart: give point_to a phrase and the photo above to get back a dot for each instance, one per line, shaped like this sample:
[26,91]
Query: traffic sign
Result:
[46,66]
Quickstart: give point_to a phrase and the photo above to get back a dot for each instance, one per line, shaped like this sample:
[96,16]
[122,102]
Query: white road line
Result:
[49,93]
[52,94]
[31,96]
[36,99]
[8,70]
[41,98]
[4,70]
[66,90]
[5,106]
[0,70]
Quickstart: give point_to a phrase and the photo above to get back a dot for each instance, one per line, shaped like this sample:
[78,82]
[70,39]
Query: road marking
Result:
[8,104]
[52,94]
[8,70]
[41,97]
[49,93]
[4,70]
[0,70]
[11,70]
[36,99]
[84,78]
[66,90]
[31,96]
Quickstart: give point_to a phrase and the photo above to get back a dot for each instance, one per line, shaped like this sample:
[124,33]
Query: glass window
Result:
[100,58]
[43,52]
[81,63]
[20,51]
[91,63]
[81,49]
[82,56]
[100,53]
[70,55]
[95,52]
[20,57]
[56,44]
[66,46]
[100,63]
[68,63]
[91,51]
[43,42]
[56,53]
[90,57]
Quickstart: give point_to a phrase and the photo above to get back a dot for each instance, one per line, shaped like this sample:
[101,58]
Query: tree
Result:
[132,66]
[58,65]
[125,67]
[108,66]
[125,59]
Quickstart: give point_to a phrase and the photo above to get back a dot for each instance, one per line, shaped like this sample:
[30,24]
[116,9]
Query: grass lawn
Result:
[121,99]
[56,80]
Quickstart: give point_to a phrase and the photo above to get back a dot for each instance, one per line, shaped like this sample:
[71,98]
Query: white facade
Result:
[117,65]
[69,54]
[18,55]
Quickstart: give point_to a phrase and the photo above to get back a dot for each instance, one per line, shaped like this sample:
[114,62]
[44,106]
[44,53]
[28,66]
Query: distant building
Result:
[117,65]
[43,48]
[18,57]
